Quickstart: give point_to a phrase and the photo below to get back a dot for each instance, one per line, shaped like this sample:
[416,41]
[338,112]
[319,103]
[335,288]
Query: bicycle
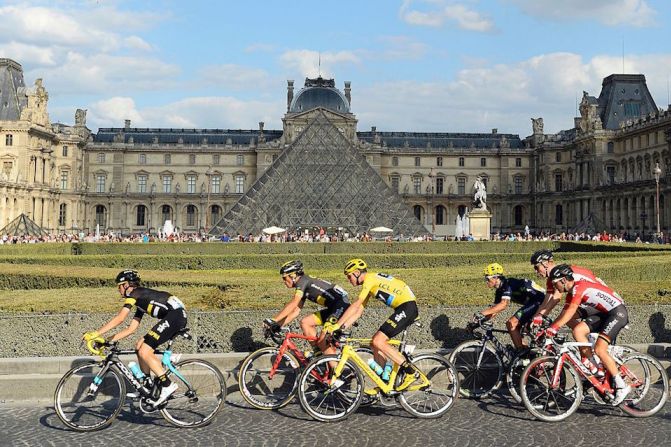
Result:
[482,363]
[330,394]
[551,387]
[90,395]
[268,377]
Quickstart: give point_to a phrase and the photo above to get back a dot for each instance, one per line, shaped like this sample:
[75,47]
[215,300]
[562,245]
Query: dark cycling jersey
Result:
[153,302]
[320,291]
[520,291]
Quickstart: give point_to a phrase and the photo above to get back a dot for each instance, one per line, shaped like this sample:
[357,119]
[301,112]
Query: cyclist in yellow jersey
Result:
[395,294]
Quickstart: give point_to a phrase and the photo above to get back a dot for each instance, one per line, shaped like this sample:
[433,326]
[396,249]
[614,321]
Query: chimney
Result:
[290,93]
[495,131]
[348,92]
[262,138]
[126,124]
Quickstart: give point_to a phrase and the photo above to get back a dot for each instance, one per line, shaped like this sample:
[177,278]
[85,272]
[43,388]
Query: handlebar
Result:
[97,346]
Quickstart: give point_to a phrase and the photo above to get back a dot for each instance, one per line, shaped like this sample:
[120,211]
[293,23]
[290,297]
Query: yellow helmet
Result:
[494,269]
[355,264]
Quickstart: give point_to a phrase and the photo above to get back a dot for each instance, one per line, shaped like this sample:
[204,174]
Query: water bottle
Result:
[375,367]
[137,372]
[387,371]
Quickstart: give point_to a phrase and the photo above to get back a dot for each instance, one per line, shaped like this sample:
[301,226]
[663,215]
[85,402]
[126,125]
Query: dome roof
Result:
[319,94]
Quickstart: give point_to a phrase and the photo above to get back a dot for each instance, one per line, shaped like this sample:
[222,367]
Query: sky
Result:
[414,65]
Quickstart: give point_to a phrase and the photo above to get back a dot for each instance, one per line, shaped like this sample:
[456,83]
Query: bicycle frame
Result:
[288,345]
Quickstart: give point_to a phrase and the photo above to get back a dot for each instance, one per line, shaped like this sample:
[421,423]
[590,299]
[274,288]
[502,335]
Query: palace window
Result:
[167,183]
[461,161]
[142,183]
[239,184]
[101,157]
[64,180]
[62,214]
[100,183]
[142,159]
[216,184]
[65,151]
[191,184]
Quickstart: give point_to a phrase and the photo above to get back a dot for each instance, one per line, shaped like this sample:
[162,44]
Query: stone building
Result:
[131,179]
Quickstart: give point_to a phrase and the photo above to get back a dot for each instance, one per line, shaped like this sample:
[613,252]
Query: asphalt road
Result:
[494,421]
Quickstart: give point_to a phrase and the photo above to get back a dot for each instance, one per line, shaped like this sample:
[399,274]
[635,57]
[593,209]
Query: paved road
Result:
[489,422]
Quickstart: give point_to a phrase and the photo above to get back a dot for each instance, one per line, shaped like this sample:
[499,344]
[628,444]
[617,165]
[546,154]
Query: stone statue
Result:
[80,118]
[127,187]
[178,188]
[202,187]
[480,197]
[537,125]
[153,187]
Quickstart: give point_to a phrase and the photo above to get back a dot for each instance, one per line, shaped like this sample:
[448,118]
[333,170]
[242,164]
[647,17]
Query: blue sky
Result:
[415,65]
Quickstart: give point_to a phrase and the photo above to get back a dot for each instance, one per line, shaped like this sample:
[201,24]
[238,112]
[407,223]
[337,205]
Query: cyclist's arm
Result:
[491,311]
[353,312]
[115,321]
[132,327]
[566,314]
[291,310]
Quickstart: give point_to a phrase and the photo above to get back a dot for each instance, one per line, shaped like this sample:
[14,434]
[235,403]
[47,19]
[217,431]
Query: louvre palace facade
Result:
[599,175]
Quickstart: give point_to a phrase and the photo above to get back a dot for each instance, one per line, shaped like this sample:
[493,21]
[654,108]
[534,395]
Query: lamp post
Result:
[657,171]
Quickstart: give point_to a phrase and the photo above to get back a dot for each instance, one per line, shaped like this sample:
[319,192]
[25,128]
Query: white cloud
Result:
[196,112]
[26,54]
[137,43]
[402,47]
[436,13]
[503,96]
[609,12]
[306,62]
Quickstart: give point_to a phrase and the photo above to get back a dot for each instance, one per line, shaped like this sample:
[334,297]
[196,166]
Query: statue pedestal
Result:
[480,221]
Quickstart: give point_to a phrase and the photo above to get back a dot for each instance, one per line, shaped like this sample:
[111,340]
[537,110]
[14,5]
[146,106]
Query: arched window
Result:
[419,212]
[62,214]
[166,213]
[518,212]
[461,210]
[140,216]
[441,215]
[215,214]
[191,215]
[101,215]
[559,215]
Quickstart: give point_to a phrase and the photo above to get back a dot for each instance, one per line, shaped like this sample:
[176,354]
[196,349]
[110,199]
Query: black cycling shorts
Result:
[609,324]
[403,316]
[525,313]
[335,311]
[164,330]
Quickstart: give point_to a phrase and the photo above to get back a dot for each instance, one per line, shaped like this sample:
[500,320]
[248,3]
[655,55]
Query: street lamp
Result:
[657,171]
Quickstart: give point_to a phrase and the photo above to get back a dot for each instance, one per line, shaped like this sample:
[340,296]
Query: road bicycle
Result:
[551,387]
[331,387]
[268,377]
[90,396]
[482,364]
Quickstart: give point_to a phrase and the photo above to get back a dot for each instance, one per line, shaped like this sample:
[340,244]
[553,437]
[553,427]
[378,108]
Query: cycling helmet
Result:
[294,266]
[561,271]
[355,264]
[494,269]
[130,276]
[541,256]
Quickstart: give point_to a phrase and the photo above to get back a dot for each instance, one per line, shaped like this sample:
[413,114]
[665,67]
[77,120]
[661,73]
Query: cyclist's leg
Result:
[309,325]
[515,324]
[612,324]
[581,325]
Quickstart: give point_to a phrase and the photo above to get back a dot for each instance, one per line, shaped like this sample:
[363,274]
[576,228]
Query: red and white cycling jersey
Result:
[595,295]
[579,274]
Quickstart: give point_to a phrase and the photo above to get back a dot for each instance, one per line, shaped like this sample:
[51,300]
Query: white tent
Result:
[274,230]
[381,230]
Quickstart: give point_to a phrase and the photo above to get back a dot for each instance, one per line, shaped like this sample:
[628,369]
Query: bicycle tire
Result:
[198,400]
[622,352]
[538,396]
[256,386]
[647,398]
[514,374]
[323,402]
[439,397]
[83,410]
[478,376]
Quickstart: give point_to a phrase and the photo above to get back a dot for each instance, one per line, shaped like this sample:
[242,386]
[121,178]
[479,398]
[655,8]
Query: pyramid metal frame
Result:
[320,180]
[23,225]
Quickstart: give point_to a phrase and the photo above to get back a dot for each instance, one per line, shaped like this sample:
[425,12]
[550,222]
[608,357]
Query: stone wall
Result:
[30,335]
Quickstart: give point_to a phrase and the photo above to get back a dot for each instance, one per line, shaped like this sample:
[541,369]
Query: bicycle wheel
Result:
[437,398]
[82,405]
[618,352]
[514,374]
[649,383]
[259,388]
[479,368]
[200,395]
[328,402]
[545,402]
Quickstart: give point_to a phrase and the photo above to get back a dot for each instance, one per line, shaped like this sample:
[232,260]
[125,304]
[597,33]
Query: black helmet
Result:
[130,276]
[541,256]
[561,271]
[294,266]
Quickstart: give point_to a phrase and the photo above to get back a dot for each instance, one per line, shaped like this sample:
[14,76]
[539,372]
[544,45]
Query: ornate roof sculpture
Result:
[319,92]
[321,179]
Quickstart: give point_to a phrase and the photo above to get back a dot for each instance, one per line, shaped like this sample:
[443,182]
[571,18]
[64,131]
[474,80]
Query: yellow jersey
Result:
[391,291]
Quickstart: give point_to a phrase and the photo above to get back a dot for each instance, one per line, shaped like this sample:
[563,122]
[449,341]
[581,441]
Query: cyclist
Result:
[520,291]
[610,317]
[395,294]
[543,262]
[317,290]
[163,305]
